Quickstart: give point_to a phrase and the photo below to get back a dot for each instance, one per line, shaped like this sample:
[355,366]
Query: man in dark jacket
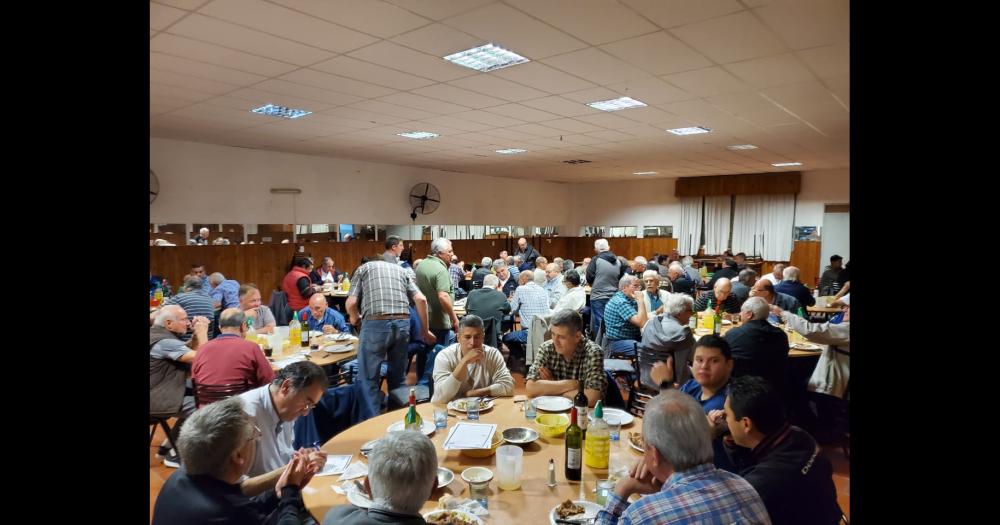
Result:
[527,252]
[730,271]
[759,348]
[603,274]
[489,303]
[791,286]
[782,462]
[828,284]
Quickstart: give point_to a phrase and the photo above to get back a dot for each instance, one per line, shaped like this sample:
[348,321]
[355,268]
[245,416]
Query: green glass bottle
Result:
[574,448]
[413,421]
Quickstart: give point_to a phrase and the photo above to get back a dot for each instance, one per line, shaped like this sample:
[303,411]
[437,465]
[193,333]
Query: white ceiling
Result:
[774,73]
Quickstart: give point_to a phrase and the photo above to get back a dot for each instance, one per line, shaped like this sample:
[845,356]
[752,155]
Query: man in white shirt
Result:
[777,275]
[575,297]
[553,283]
[470,368]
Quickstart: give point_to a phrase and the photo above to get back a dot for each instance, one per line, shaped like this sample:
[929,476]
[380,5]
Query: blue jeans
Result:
[381,340]
[516,342]
[596,315]
[445,337]
[622,346]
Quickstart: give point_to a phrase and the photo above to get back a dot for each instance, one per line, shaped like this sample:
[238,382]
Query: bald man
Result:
[721,294]
[765,290]
[323,318]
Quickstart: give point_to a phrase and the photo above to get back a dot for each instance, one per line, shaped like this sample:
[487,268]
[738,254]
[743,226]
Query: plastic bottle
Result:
[597,447]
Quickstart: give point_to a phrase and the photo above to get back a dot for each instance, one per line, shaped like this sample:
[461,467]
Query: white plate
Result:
[803,346]
[590,510]
[426,427]
[338,349]
[455,406]
[622,416]
[445,477]
[633,445]
[726,322]
[471,517]
[342,336]
[358,499]
[552,403]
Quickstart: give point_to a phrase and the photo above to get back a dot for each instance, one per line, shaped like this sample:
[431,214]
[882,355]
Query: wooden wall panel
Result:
[805,256]
[753,184]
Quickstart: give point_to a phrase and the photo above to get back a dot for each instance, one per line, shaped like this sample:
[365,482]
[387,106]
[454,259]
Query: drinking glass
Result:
[614,428]
[510,461]
[472,409]
[604,486]
[440,417]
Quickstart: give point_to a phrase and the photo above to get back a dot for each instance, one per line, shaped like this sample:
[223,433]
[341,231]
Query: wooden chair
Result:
[162,421]
[207,394]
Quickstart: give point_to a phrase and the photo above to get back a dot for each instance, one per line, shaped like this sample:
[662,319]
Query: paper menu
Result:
[334,465]
[465,436]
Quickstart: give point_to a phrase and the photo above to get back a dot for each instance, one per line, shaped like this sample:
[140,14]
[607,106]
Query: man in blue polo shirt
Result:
[322,318]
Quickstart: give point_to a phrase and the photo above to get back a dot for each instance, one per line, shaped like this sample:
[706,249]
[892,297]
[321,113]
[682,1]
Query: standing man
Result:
[828,284]
[201,239]
[603,274]
[385,292]
[435,283]
[527,252]
[393,248]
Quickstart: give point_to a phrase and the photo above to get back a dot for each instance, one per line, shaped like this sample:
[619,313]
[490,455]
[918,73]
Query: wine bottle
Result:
[581,402]
[574,448]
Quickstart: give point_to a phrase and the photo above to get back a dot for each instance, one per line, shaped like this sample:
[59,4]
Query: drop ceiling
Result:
[770,73]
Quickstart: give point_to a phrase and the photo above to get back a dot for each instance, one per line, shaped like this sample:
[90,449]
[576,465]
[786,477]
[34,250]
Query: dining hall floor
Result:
[158,473]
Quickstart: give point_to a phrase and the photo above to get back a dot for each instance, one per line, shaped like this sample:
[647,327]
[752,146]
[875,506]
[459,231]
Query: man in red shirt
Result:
[231,358]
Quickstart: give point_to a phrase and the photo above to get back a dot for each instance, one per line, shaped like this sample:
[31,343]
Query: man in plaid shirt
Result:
[529,300]
[676,474]
[567,359]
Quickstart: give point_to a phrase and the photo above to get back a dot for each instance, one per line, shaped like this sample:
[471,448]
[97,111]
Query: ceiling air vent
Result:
[576,161]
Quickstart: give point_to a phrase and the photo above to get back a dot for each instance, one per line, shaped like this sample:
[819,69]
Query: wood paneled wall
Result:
[755,184]
[805,257]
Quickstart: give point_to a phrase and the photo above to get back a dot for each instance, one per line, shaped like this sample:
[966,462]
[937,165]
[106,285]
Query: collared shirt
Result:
[731,305]
[703,494]
[383,289]
[587,364]
[227,293]
[555,288]
[529,300]
[195,302]
[432,278]
[275,447]
[457,273]
[330,317]
[617,313]
[574,299]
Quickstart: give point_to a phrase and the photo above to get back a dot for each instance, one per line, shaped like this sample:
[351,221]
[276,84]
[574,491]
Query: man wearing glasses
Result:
[296,389]
[667,335]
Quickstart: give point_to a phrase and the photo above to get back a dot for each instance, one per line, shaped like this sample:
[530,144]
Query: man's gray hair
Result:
[169,312]
[211,435]
[402,469]
[499,264]
[687,260]
[641,260]
[539,276]
[626,280]
[491,281]
[232,318]
[791,273]
[471,321]
[440,245]
[747,276]
[675,266]
[568,318]
[675,425]
[192,282]
[567,264]
[216,278]
[486,262]
[650,273]
[757,306]
[601,245]
[677,303]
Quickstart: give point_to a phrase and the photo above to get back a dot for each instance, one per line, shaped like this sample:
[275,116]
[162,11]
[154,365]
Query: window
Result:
[657,231]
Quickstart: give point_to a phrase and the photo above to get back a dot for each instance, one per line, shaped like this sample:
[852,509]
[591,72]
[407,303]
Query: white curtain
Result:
[764,221]
[717,215]
[689,232]
[478,232]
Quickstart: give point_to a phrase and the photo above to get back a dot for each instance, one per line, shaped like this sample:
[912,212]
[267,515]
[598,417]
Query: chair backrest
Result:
[490,327]
[207,394]
[279,307]
[602,340]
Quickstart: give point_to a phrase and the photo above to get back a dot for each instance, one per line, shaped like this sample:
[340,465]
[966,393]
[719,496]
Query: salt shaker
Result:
[552,473]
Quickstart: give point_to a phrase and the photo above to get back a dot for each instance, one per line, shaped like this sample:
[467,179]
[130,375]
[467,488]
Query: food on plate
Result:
[448,502]
[450,518]
[635,438]
[463,404]
[568,508]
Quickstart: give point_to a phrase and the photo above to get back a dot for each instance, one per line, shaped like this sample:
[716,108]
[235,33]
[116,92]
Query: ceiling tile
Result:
[731,38]
[841,87]
[608,120]
[488,118]
[190,5]
[190,82]
[405,59]
[258,97]
[610,135]
[670,56]
[497,87]
[771,71]
[311,77]
[192,95]
[805,24]
[673,13]
[236,37]
[593,21]
[595,65]
[285,23]
[438,40]
[458,123]
[184,66]
[561,106]
[522,112]
[649,115]
[516,31]
[828,61]
[439,9]
[365,115]
[218,55]
[161,16]
[571,125]
[284,87]
[369,16]
[449,93]
[651,90]
[545,78]
[394,110]
[753,107]
[536,129]
[366,72]
[430,105]
[592,95]
[707,82]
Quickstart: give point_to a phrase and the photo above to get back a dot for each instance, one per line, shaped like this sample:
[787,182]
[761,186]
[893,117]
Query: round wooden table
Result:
[319,357]
[530,503]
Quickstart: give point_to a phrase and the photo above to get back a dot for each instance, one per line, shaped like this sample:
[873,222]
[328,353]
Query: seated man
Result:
[765,290]
[676,478]
[263,318]
[469,367]
[743,283]
[567,359]
[326,273]
[489,303]
[322,318]
[483,270]
[295,390]
[624,316]
[777,274]
[553,283]
[781,462]
[218,446]
[667,336]
[402,474]
[652,296]
[679,281]
[225,292]
[828,283]
[229,358]
[728,271]
[833,370]
[529,300]
[760,349]
[506,276]
[169,358]
[512,267]
[575,297]
[791,286]
[195,301]
[720,295]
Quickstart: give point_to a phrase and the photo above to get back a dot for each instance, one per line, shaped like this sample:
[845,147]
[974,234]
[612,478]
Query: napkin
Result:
[356,470]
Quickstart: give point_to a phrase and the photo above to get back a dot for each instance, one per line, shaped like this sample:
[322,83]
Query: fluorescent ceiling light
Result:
[616,104]
[280,111]
[689,131]
[486,58]
[418,135]
[783,164]
[511,151]
[644,173]
[738,147]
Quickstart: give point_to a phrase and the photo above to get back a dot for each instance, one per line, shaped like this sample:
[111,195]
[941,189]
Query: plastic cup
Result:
[440,417]
[472,409]
[604,486]
[614,428]
[510,461]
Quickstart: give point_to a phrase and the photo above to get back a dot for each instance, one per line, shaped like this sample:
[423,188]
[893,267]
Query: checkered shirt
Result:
[383,289]
[587,364]
[617,313]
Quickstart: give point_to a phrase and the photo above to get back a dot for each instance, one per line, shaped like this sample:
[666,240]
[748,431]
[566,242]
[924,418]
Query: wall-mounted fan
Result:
[424,198]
